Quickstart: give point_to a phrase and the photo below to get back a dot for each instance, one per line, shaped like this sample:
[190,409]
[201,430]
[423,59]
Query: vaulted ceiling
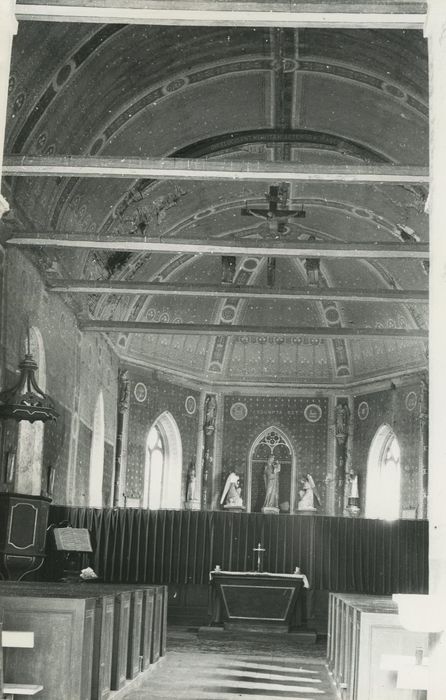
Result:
[309,97]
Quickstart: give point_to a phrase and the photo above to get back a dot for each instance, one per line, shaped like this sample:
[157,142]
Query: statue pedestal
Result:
[234,509]
[306,511]
[353,508]
[270,509]
[194,504]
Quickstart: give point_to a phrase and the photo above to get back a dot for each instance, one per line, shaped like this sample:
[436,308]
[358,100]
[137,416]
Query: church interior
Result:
[214,329]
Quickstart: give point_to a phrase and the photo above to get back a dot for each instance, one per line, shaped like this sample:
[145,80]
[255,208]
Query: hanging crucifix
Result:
[277,215]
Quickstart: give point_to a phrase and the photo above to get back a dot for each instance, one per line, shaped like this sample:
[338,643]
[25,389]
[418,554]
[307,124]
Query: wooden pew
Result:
[118,631]
[17,640]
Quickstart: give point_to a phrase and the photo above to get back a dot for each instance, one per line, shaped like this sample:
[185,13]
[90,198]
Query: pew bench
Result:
[12,690]
[18,640]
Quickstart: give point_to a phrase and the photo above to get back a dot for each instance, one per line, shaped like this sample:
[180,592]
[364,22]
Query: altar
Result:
[255,600]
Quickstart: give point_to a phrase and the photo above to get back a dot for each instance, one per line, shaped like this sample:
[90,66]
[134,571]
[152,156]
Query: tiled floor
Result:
[199,668]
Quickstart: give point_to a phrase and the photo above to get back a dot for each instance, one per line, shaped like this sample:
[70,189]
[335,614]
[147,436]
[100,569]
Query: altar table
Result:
[250,599]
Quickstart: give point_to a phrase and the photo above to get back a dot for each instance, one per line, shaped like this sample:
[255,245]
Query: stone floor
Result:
[270,667]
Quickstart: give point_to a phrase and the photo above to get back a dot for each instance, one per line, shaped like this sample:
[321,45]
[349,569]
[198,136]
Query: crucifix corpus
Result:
[278,214]
[260,550]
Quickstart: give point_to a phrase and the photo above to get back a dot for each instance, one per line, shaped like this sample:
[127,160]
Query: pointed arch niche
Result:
[271,441]
[163,465]
[30,435]
[383,493]
[95,497]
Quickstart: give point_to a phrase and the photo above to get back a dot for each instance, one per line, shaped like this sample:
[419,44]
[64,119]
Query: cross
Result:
[259,549]
[277,215]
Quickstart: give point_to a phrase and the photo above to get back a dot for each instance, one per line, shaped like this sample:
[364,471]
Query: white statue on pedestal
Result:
[308,494]
[192,503]
[232,498]
[271,479]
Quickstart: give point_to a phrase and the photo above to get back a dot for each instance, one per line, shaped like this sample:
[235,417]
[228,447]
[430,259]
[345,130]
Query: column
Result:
[121,436]
[341,431]
[330,477]
[210,412]
[8,28]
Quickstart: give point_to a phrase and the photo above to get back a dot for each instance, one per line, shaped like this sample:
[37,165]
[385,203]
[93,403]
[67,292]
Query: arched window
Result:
[271,441]
[30,435]
[384,476]
[95,497]
[163,467]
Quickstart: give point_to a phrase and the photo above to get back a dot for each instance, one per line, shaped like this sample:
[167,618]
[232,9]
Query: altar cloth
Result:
[261,573]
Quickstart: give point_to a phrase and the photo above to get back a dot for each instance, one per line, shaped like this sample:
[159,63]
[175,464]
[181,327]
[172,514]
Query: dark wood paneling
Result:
[103,645]
[120,640]
[135,629]
[147,626]
[158,611]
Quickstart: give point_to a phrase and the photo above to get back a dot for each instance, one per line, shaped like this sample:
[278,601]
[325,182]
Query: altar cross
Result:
[260,550]
[276,216]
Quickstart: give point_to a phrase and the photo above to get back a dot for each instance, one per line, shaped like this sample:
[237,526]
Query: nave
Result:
[228,322]
[199,667]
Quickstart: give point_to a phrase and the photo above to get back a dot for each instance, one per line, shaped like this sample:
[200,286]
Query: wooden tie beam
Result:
[212,169]
[229,330]
[233,291]
[337,14]
[324,249]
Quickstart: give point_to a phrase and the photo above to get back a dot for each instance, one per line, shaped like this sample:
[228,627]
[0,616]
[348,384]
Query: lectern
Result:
[71,543]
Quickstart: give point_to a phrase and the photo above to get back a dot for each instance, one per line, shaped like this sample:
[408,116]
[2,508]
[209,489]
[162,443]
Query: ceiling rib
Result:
[325,249]
[253,14]
[233,291]
[229,330]
[201,169]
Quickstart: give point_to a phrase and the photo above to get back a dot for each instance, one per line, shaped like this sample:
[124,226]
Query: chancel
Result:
[218,234]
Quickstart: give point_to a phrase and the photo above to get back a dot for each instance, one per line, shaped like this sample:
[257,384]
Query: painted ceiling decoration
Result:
[306,96]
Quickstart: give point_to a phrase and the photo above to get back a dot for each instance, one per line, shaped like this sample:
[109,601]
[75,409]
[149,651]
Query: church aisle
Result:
[268,668]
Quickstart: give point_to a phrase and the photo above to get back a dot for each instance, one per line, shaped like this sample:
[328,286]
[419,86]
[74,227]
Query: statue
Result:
[192,502]
[191,480]
[308,494]
[271,479]
[210,409]
[353,506]
[232,493]
[124,391]
[342,415]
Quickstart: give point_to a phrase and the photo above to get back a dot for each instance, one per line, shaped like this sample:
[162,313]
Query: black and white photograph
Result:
[222,349]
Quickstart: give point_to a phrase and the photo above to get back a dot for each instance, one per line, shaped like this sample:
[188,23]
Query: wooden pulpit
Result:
[23,523]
